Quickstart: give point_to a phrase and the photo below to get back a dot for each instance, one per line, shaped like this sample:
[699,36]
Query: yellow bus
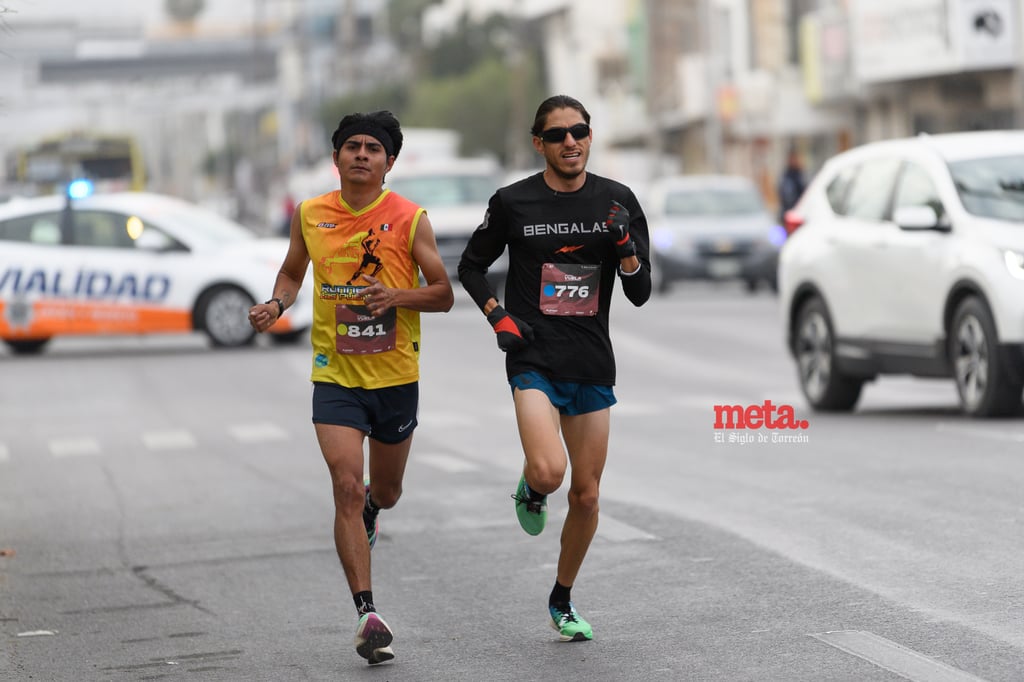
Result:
[111,162]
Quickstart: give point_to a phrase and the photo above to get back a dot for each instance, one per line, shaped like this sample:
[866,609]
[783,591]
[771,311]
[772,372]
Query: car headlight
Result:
[662,240]
[671,242]
[777,235]
[1014,263]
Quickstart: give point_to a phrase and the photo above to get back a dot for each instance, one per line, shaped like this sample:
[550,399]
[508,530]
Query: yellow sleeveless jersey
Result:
[350,347]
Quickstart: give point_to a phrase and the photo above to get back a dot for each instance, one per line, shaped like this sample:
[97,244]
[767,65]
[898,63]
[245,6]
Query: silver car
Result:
[713,227]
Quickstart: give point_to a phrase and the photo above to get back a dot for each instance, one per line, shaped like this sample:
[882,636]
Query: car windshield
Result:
[991,188]
[712,202]
[205,223]
[445,190]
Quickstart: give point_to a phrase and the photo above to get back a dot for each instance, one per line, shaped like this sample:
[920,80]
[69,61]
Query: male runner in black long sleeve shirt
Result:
[570,234]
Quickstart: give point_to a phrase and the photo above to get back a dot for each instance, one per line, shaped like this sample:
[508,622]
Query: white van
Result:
[455,192]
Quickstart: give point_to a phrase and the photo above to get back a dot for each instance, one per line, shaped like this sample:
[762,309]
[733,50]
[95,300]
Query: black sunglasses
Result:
[578,132]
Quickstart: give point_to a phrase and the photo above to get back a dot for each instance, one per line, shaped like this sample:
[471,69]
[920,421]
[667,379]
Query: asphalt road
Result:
[165,514]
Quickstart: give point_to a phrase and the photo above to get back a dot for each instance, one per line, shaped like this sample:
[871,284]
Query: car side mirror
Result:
[919,218]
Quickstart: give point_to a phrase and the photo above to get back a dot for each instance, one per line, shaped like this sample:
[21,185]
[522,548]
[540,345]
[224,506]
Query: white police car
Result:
[134,263]
[907,257]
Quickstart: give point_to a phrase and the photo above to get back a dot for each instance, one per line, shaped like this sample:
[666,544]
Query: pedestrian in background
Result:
[368,246]
[791,185]
[570,234]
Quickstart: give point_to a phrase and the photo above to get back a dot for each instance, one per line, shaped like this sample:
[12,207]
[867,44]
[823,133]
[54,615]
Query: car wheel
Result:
[751,285]
[981,379]
[223,313]
[27,346]
[814,345]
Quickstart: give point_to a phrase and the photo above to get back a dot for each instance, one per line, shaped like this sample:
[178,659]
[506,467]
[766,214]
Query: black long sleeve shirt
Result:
[569,317]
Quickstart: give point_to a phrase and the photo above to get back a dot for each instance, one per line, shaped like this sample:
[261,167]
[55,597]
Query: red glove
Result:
[617,224]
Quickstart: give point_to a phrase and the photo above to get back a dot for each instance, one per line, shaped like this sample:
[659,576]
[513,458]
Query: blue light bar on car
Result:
[80,188]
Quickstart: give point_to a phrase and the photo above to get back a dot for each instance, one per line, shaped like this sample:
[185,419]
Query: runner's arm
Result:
[635,271]
[289,278]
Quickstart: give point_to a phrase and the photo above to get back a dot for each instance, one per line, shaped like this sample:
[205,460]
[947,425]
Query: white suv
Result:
[907,257]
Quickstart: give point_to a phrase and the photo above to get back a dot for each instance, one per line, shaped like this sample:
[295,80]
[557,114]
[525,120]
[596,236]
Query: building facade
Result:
[673,85]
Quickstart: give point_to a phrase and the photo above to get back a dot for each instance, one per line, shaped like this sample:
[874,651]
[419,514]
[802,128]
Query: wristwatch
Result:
[280,305]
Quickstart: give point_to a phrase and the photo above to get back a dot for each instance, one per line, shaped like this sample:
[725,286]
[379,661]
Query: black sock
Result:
[364,602]
[534,495]
[559,595]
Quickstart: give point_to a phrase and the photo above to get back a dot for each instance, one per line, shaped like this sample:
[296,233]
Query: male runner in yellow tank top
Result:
[368,247]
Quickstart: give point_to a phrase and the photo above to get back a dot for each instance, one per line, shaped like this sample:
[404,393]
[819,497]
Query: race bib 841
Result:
[358,332]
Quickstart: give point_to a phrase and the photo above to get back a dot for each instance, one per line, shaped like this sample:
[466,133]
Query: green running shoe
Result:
[571,627]
[532,514]
[373,639]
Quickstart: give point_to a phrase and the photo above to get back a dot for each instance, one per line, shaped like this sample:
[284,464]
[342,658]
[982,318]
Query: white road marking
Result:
[257,433]
[74,447]
[168,440]
[614,530]
[894,657]
[452,465]
[5,453]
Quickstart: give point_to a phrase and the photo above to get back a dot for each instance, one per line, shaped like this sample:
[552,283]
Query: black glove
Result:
[617,225]
[513,333]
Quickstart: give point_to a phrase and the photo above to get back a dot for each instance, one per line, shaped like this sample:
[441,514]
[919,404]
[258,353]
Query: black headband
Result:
[365,128]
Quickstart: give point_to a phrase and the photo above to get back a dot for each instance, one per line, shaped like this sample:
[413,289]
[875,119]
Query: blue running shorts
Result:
[386,414]
[569,397]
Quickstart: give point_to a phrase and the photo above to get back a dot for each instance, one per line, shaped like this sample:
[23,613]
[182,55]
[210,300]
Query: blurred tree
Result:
[471,43]
[183,10]
[481,104]
[392,97]
[405,17]
[483,79]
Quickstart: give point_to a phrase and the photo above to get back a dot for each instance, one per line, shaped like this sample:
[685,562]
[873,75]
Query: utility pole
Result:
[346,35]
[1019,72]
[713,73]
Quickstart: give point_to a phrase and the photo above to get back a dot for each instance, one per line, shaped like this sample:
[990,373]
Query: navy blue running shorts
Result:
[569,397]
[386,414]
